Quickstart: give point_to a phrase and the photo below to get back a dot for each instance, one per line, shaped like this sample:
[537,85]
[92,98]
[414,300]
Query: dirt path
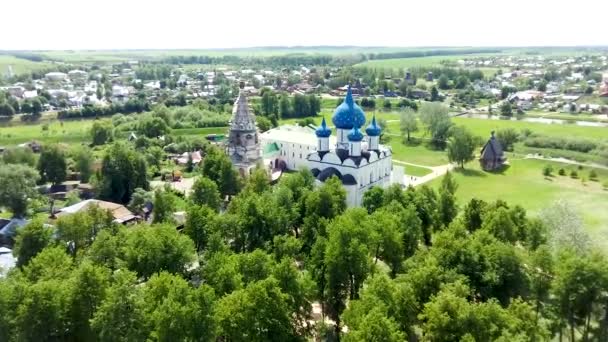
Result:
[566,161]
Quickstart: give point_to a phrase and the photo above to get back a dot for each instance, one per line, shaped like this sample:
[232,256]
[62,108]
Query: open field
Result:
[523,183]
[429,61]
[73,132]
[20,65]
[483,127]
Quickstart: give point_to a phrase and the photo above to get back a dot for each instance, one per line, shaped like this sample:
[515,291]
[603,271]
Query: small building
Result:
[56,76]
[492,156]
[120,213]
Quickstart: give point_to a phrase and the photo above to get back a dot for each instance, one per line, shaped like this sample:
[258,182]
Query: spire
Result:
[349,96]
[373,130]
[323,131]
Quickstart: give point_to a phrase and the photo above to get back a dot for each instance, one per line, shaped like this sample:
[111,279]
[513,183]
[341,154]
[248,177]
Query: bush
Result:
[547,170]
[573,174]
[593,175]
[561,172]
[571,144]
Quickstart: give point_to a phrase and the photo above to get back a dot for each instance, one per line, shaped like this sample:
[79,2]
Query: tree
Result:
[285,107]
[565,227]
[499,223]
[139,199]
[30,240]
[101,132]
[153,127]
[437,120]
[386,237]
[579,283]
[461,82]
[506,109]
[6,109]
[263,123]
[461,146]
[52,165]
[148,250]
[373,199]
[434,94]
[269,104]
[507,137]
[199,225]
[443,82]
[120,317]
[205,192]
[164,205]
[409,122]
[218,167]
[473,214]
[178,312]
[256,313]
[447,207]
[17,185]
[258,181]
[122,171]
[375,326]
[19,155]
[346,259]
[88,285]
[83,163]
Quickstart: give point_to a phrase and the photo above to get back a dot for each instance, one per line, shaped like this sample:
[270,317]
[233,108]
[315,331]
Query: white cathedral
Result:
[359,161]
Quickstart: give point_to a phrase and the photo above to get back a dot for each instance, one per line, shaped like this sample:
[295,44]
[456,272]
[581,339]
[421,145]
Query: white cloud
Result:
[129,24]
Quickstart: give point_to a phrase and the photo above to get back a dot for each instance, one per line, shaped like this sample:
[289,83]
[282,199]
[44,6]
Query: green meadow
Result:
[523,183]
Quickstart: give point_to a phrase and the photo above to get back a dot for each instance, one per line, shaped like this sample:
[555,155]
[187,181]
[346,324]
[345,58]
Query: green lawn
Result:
[74,132]
[416,154]
[523,183]
[415,170]
[483,127]
[20,65]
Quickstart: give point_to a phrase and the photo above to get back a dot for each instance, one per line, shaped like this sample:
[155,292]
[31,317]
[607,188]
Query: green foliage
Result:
[164,205]
[437,120]
[408,122]
[83,163]
[19,155]
[561,172]
[147,250]
[30,240]
[218,167]
[101,132]
[122,171]
[461,146]
[199,225]
[259,312]
[17,185]
[506,109]
[547,170]
[205,192]
[507,137]
[52,165]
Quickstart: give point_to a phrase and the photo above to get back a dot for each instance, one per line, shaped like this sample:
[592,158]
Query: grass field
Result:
[20,65]
[483,127]
[523,183]
[429,61]
[74,132]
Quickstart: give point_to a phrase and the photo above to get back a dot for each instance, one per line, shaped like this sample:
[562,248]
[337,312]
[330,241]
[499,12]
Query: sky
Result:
[194,24]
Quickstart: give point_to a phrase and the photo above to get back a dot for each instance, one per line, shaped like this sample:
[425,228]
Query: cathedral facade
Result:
[358,160]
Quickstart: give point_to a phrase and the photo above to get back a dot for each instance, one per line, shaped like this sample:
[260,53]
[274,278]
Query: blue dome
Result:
[348,114]
[323,131]
[373,130]
[355,134]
